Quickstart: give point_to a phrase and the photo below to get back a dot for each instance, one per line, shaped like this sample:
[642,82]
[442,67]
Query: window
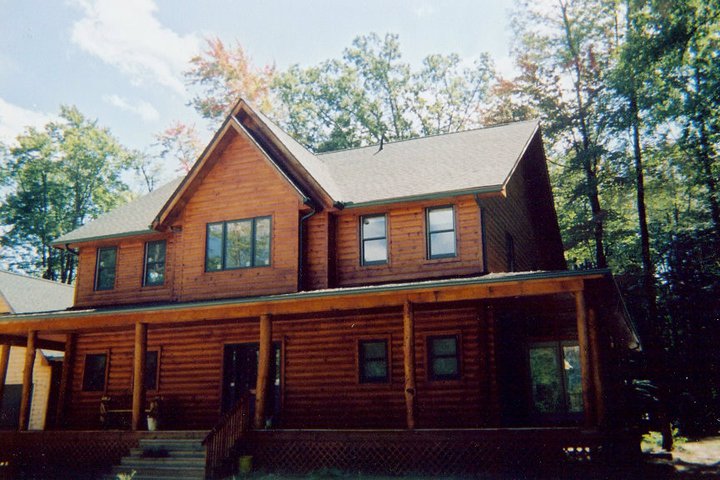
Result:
[154,263]
[556,380]
[152,364]
[105,268]
[373,230]
[373,361]
[510,252]
[238,244]
[440,232]
[443,358]
[95,372]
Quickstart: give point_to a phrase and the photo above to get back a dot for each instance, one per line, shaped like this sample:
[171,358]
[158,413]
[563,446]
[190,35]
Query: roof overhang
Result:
[489,191]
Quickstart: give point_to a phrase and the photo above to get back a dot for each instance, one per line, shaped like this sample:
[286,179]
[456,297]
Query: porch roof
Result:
[490,286]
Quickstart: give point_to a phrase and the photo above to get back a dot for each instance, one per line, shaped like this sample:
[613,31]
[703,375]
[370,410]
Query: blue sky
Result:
[121,61]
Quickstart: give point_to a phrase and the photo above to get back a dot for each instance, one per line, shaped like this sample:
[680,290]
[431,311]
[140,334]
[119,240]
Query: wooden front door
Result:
[240,364]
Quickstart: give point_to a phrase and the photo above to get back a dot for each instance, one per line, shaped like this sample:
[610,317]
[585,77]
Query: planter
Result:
[152,424]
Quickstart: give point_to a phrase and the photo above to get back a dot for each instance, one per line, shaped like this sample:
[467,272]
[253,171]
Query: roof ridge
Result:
[31,277]
[422,137]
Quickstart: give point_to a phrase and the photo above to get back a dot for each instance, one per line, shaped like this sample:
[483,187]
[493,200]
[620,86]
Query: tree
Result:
[179,143]
[58,178]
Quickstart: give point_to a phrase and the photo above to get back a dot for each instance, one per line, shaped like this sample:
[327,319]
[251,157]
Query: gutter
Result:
[490,189]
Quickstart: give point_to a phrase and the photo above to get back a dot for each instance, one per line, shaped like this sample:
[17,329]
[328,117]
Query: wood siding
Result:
[320,382]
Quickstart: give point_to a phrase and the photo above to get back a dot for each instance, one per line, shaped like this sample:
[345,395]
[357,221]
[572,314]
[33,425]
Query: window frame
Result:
[158,352]
[145,282]
[364,262]
[97,268]
[564,414]
[431,375]
[362,379]
[84,386]
[429,233]
[253,243]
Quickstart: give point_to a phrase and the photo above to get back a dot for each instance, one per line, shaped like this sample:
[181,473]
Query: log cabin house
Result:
[294,303]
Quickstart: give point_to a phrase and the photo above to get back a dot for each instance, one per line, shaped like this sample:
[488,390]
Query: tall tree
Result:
[58,178]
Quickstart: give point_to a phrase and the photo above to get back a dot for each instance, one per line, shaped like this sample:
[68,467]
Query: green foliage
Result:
[57,179]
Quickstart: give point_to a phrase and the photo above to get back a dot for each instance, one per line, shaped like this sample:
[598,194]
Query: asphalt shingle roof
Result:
[29,294]
[133,217]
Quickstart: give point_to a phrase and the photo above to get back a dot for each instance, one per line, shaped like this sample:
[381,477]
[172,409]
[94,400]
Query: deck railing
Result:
[221,444]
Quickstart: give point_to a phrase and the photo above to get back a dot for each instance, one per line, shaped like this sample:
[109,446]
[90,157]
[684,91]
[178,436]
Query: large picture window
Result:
[95,372]
[440,232]
[443,357]
[238,244]
[556,379]
[374,247]
[373,361]
[105,268]
[154,263]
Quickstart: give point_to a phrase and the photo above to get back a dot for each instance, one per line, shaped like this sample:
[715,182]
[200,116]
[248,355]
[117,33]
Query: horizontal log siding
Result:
[129,272]
[320,381]
[241,184]
[407,245]
[316,252]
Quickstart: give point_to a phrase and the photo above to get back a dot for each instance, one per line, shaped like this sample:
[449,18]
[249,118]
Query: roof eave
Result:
[524,150]
[486,190]
[64,243]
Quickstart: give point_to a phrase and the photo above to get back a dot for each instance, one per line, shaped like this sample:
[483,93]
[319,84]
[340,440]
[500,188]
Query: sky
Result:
[121,62]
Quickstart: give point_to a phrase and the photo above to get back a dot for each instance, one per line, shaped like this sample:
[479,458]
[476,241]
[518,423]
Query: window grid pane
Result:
[262,242]
[441,241]
[105,275]
[443,358]
[155,263]
[213,256]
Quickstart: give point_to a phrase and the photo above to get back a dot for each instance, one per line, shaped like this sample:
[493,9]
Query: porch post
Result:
[585,364]
[65,379]
[409,362]
[4,360]
[597,366]
[138,401]
[263,370]
[27,381]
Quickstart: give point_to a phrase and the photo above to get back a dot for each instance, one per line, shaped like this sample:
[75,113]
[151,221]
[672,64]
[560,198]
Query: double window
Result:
[238,244]
[440,223]
[154,272]
[556,380]
[374,246]
[105,268]
[443,357]
[373,361]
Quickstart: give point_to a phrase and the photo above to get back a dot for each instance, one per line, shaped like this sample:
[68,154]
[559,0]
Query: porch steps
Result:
[163,459]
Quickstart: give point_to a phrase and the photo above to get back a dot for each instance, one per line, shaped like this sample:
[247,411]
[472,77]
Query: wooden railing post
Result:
[138,401]
[26,400]
[65,379]
[4,360]
[585,360]
[263,373]
[409,362]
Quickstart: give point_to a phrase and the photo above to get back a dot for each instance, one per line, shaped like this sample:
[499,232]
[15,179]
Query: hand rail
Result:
[222,441]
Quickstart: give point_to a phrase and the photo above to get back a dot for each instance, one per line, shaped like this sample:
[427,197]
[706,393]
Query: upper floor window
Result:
[443,357]
[373,229]
[440,232]
[154,263]
[238,244]
[373,361]
[105,268]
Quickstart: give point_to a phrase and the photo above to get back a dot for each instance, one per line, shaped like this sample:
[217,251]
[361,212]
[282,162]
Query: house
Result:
[415,290]
[23,294]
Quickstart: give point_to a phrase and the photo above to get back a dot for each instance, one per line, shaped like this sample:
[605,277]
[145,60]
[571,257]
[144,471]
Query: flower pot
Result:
[151,424]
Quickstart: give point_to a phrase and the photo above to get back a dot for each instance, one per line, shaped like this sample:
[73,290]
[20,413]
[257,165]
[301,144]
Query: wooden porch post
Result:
[25,402]
[595,353]
[263,373]
[138,397]
[65,379]
[585,362]
[4,360]
[409,362]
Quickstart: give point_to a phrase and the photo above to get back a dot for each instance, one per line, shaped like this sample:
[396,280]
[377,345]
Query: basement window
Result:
[154,263]
[238,244]
[105,268]
[373,232]
[440,223]
[373,361]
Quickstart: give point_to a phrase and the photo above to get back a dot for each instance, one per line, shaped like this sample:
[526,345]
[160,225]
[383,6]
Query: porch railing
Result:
[221,444]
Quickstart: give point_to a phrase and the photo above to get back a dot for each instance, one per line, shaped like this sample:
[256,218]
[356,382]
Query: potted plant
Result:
[153,414]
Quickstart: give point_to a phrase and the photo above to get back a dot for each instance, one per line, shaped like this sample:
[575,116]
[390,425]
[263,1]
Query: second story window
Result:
[440,232]
[238,244]
[154,263]
[105,268]
[373,245]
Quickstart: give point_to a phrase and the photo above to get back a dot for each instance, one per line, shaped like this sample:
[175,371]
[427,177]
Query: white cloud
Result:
[127,36]
[141,108]
[14,120]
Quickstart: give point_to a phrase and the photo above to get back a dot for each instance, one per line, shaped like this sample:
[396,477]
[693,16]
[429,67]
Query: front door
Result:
[240,364]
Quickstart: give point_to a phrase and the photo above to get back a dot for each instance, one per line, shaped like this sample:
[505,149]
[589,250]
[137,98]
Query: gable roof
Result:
[470,161]
[473,161]
[24,294]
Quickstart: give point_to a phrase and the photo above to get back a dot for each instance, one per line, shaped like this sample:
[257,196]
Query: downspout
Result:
[301,243]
